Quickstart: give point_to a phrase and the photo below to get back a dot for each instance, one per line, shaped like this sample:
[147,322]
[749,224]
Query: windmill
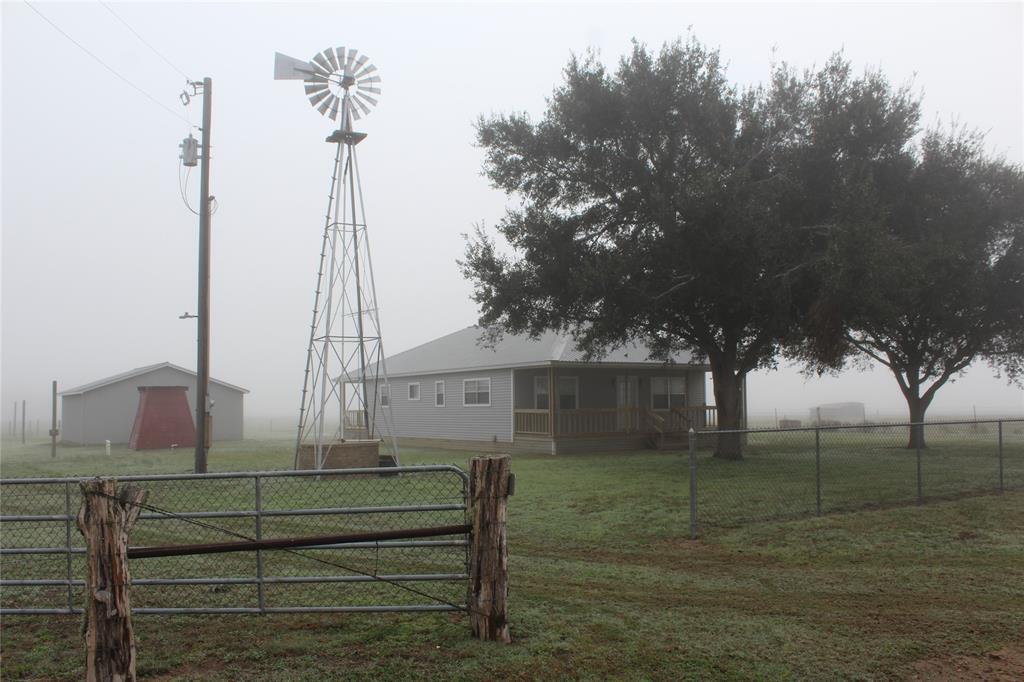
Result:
[344,391]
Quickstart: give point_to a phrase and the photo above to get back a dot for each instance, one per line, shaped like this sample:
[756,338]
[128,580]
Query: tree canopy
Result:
[931,278]
[662,204]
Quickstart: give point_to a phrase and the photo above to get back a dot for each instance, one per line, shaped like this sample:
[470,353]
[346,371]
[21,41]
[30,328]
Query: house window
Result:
[540,392]
[668,392]
[568,393]
[414,391]
[439,393]
[385,395]
[476,392]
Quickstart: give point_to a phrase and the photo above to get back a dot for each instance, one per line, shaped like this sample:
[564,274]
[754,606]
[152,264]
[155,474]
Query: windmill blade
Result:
[351,58]
[367,88]
[368,70]
[325,66]
[368,79]
[369,99]
[359,62]
[326,105]
[290,68]
[319,97]
[339,52]
[334,110]
[315,87]
[329,53]
[362,106]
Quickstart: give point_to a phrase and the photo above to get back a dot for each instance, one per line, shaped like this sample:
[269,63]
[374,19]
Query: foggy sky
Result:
[99,251]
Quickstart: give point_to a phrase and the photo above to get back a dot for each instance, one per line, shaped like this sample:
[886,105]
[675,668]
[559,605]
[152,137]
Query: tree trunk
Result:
[729,400]
[105,519]
[917,408]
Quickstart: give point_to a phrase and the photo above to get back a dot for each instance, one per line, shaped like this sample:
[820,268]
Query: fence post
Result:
[999,427]
[491,482]
[105,519]
[67,540]
[921,435]
[693,483]
[261,598]
[817,470]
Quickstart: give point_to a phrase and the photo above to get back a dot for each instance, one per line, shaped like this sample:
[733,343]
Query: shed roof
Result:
[139,371]
[462,350]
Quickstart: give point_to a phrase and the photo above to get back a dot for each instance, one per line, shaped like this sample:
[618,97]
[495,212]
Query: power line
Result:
[107,66]
[143,40]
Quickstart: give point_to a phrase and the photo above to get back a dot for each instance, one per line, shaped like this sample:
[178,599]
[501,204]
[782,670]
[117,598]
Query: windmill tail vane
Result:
[345,393]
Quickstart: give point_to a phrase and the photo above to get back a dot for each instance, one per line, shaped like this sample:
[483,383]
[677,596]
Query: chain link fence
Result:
[793,473]
[42,554]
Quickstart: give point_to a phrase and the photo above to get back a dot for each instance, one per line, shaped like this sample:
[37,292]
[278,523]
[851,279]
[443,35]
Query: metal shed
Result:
[105,409]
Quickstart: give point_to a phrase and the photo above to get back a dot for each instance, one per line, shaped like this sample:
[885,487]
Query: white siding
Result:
[71,425]
[422,419]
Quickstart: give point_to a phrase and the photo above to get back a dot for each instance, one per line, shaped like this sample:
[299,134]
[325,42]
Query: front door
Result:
[627,402]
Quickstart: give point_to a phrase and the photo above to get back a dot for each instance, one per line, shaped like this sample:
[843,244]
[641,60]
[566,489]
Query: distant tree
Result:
[931,278]
[661,204]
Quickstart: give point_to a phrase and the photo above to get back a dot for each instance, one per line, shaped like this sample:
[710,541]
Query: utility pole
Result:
[53,424]
[203,342]
[22,422]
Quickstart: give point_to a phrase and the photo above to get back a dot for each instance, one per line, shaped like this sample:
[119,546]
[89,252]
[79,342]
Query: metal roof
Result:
[139,371]
[463,350]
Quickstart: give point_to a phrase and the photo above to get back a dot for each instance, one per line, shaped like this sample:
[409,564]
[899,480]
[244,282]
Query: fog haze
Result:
[99,250]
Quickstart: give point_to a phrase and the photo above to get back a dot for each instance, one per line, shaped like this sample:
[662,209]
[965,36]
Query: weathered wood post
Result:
[105,519]
[491,482]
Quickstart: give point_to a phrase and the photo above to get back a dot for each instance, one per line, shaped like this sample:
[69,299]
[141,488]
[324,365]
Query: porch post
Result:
[552,429]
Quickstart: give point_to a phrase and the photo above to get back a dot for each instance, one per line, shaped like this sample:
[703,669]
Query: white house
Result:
[540,395]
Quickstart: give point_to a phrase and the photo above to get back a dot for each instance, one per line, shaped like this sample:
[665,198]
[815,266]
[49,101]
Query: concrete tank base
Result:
[347,454]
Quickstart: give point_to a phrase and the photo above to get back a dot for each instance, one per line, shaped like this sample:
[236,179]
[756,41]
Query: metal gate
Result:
[42,554]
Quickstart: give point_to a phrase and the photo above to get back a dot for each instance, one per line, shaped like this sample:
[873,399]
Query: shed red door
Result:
[163,419]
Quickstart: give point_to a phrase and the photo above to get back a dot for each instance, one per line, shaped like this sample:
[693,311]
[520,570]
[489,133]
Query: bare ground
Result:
[1005,665]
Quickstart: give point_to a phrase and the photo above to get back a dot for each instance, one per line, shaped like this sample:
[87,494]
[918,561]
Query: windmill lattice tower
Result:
[344,392]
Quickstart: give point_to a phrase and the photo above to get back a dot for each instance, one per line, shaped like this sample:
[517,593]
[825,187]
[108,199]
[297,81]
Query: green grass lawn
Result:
[606,585]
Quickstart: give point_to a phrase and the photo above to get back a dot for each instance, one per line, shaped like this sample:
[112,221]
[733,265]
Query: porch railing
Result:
[533,421]
[600,420]
[615,420]
[696,416]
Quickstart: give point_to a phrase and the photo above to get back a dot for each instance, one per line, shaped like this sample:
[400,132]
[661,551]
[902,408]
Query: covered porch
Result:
[628,405]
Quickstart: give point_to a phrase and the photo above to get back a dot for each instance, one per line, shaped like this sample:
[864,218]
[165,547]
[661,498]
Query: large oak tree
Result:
[660,203]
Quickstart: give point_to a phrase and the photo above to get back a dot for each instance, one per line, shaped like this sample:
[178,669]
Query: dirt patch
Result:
[1005,665]
[191,671]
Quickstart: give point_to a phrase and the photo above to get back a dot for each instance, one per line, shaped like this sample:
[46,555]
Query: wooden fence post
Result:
[491,482]
[105,519]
